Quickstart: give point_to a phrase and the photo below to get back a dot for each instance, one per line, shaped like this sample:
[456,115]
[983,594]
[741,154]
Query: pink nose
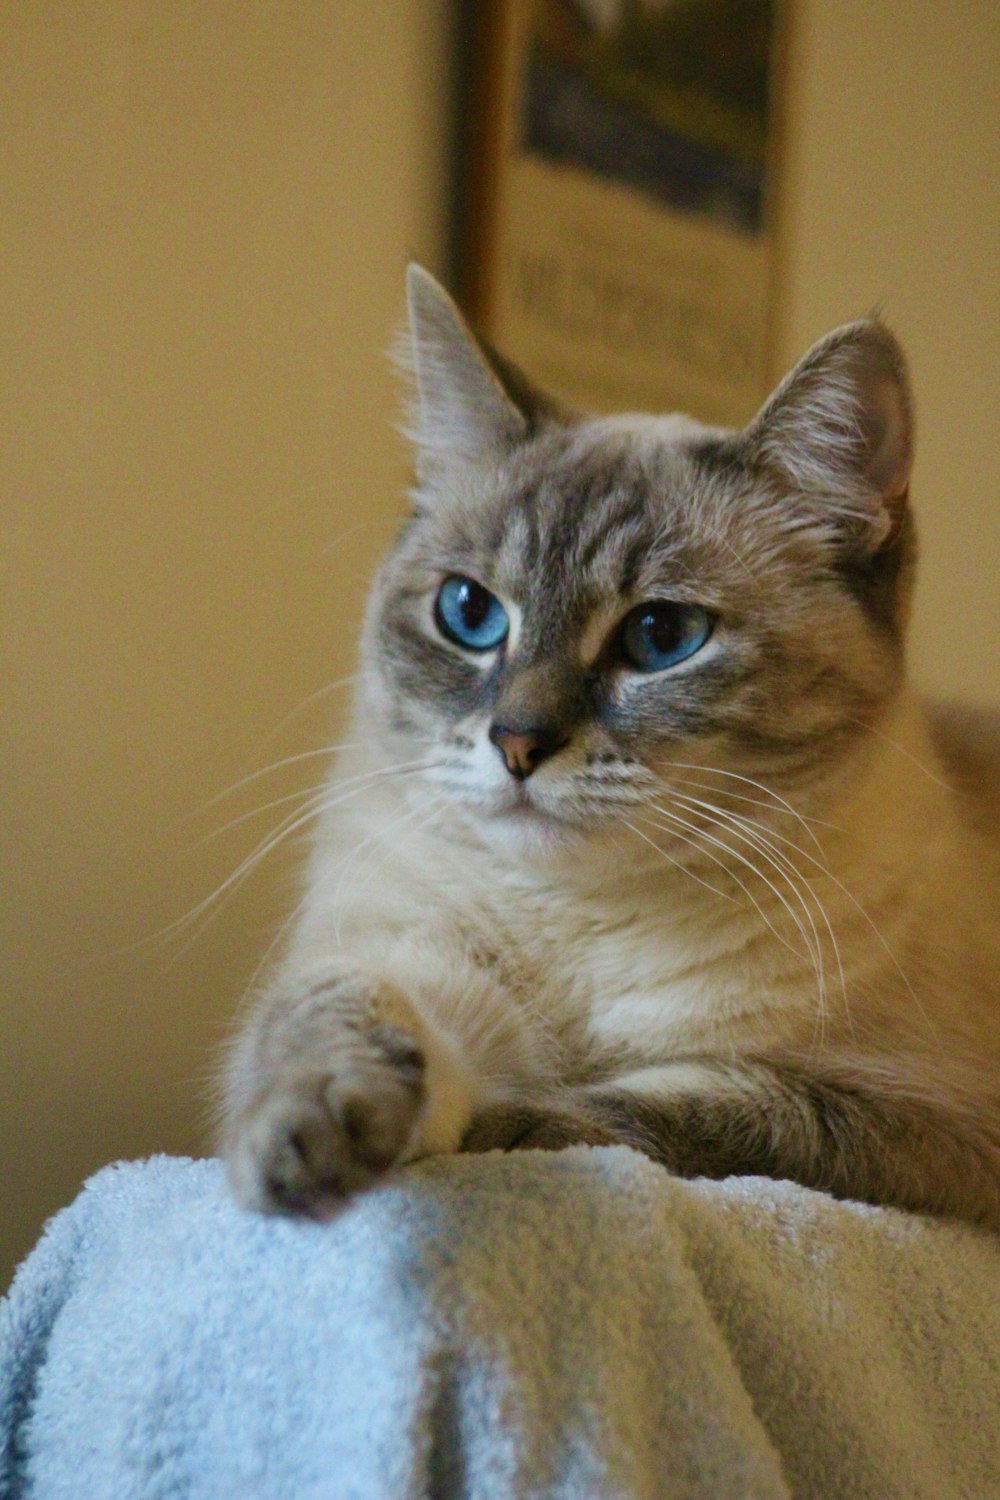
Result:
[524,750]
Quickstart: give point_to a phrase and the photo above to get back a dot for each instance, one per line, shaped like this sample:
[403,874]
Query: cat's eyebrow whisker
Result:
[341,537]
[727,544]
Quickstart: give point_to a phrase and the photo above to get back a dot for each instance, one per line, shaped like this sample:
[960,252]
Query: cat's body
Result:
[701,874]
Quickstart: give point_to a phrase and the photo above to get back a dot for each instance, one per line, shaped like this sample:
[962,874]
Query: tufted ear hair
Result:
[465,402]
[838,432]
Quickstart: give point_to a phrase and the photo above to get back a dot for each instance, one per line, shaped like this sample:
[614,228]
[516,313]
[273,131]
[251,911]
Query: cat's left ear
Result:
[465,407]
[838,432]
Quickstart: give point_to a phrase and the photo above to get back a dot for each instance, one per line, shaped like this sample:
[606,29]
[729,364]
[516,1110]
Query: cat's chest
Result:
[612,975]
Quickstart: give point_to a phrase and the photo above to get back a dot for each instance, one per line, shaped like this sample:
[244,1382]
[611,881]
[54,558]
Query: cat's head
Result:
[583,610]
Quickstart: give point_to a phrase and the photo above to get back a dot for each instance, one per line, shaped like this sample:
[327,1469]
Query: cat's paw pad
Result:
[314,1138]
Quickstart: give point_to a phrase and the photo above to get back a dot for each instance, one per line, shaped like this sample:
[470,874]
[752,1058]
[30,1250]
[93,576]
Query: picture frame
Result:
[620,213]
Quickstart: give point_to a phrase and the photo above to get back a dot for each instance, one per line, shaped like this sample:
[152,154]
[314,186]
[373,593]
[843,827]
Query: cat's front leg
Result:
[530,1126]
[336,1078]
[837,1127]
[853,1126]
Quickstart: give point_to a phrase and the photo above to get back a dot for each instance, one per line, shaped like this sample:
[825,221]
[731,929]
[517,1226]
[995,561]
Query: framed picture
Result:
[621,238]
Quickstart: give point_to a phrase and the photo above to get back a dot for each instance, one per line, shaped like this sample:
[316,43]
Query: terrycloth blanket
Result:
[569,1325]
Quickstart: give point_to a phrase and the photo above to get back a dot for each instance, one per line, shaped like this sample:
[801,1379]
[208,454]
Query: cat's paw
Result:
[313,1138]
[532,1127]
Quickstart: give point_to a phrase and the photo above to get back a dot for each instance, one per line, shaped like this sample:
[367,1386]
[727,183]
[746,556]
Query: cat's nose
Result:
[524,750]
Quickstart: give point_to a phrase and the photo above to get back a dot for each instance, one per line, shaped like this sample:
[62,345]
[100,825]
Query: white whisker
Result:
[318,805]
[731,796]
[350,862]
[322,692]
[278,765]
[678,864]
[795,879]
[902,750]
[828,874]
[700,833]
[257,812]
[760,787]
[289,922]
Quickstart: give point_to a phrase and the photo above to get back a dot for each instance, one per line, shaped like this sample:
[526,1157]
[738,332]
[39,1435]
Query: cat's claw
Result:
[312,1139]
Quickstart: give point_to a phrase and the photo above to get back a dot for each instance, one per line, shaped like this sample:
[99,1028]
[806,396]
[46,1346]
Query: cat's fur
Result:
[745,917]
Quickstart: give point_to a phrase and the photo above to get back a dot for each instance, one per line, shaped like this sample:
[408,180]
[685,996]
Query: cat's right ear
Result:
[839,432]
[463,408]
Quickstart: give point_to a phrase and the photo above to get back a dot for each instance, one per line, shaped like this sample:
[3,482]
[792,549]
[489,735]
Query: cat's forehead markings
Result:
[641,431]
[515,542]
[515,619]
[595,632]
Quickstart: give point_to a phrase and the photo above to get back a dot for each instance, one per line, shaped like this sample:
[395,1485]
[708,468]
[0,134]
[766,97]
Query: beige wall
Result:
[891,180]
[207,211]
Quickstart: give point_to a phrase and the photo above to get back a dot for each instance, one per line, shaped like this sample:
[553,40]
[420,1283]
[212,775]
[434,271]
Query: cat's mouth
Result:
[515,804]
[522,822]
[523,804]
[545,802]
[524,807]
[516,801]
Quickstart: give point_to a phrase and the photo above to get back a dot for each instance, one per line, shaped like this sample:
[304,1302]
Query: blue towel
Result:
[567,1325]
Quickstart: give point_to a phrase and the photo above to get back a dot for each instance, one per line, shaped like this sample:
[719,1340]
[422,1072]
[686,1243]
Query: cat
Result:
[642,836]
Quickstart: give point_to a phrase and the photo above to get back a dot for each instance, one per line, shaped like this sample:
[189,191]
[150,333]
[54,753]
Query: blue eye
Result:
[661,634]
[470,615]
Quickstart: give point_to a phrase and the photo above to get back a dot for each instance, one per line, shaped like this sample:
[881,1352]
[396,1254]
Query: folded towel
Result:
[573,1325]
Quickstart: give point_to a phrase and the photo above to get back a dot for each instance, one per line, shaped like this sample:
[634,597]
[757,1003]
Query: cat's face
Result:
[582,613]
